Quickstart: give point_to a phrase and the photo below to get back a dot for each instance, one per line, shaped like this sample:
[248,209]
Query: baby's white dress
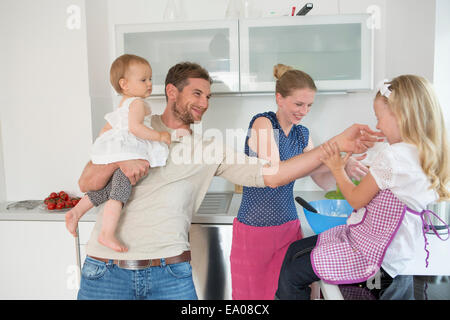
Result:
[119,144]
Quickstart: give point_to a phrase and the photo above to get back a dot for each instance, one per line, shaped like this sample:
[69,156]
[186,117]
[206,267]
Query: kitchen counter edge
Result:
[38,214]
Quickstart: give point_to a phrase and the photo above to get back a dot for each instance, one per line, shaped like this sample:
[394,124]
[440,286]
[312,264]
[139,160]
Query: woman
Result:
[267,221]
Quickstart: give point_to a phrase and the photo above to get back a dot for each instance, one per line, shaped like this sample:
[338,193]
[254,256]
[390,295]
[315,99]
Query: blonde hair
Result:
[289,79]
[421,122]
[120,67]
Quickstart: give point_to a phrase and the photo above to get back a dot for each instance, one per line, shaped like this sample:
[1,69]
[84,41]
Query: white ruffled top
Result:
[397,167]
[119,144]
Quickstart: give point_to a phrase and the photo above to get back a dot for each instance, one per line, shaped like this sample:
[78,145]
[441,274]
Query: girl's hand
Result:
[165,137]
[356,169]
[332,156]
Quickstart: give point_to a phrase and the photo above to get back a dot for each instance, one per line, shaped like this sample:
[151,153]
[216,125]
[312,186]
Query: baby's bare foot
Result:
[111,242]
[74,214]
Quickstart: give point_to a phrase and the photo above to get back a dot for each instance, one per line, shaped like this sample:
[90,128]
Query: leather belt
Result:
[142,264]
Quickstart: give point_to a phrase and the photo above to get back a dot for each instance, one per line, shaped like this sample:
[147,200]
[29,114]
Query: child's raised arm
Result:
[137,112]
[357,196]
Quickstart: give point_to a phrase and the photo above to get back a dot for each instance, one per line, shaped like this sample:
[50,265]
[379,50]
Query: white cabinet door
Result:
[38,261]
[212,44]
[336,51]
[84,233]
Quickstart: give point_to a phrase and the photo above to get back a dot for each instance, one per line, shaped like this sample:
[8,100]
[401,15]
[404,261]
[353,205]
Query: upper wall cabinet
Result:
[336,51]
[213,44]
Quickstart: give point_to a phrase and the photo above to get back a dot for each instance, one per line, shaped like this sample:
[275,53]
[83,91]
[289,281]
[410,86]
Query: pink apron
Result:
[354,253]
[257,254]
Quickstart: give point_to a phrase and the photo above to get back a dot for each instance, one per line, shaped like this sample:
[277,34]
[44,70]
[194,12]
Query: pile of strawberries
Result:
[60,201]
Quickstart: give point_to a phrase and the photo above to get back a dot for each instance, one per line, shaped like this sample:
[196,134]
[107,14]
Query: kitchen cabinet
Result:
[336,50]
[38,261]
[84,233]
[210,249]
[210,238]
[213,44]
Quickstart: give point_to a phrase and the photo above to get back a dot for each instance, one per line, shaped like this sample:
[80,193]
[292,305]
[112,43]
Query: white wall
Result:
[2,170]
[441,58]
[45,107]
[97,22]
[410,41]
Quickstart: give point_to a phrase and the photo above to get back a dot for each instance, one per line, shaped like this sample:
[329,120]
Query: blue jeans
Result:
[401,288]
[296,271]
[100,280]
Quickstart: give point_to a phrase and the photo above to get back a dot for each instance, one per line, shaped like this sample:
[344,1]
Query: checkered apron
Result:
[354,253]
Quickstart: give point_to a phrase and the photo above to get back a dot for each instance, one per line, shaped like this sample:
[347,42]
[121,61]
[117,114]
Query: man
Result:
[156,220]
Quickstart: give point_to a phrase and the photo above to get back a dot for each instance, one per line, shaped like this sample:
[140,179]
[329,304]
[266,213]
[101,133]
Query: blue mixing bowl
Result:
[332,213]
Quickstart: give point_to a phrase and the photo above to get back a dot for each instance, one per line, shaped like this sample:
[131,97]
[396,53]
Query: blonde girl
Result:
[390,218]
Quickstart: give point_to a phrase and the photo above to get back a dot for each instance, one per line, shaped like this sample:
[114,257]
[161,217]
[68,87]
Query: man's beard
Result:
[182,114]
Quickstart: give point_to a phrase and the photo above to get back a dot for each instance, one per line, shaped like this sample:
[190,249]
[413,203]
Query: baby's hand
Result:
[332,158]
[165,137]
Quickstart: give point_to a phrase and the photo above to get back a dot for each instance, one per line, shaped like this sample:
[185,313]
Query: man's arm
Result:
[323,177]
[292,169]
[96,176]
[243,170]
[355,139]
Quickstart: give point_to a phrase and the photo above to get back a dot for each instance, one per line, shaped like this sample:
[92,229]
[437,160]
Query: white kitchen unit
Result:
[38,261]
[84,233]
[336,50]
[213,44]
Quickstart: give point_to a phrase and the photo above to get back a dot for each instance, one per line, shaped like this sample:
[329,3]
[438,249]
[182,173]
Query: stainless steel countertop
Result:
[228,217]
